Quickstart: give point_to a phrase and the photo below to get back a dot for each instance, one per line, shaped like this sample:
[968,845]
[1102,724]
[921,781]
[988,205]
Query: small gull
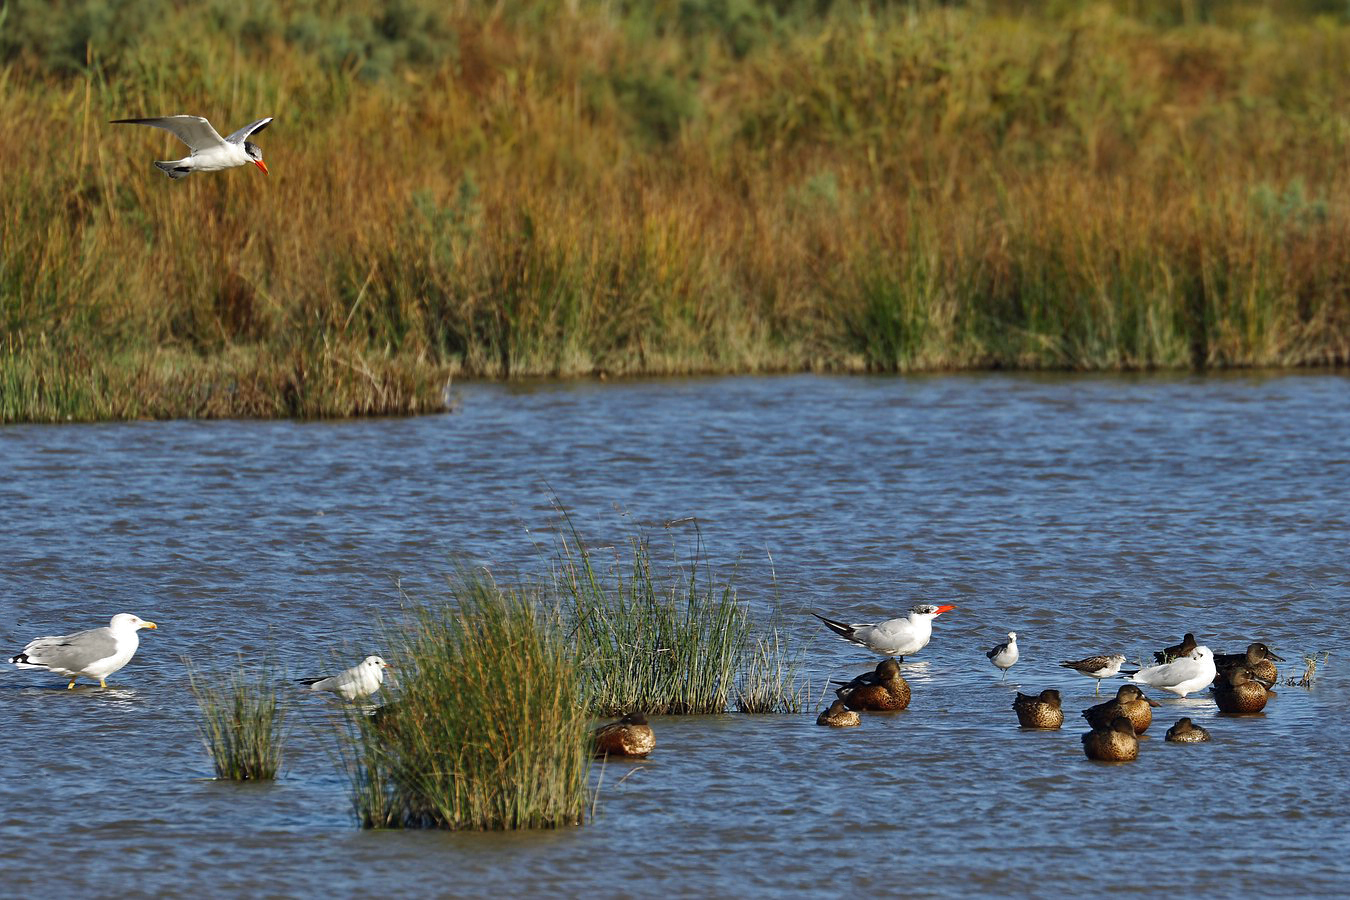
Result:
[96,653]
[1180,676]
[358,682]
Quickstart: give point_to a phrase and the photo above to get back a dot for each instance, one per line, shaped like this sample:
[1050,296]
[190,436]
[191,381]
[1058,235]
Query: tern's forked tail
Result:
[839,628]
[174,169]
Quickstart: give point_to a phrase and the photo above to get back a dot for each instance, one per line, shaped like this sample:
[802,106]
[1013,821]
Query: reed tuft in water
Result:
[241,721]
[768,682]
[486,732]
[672,643]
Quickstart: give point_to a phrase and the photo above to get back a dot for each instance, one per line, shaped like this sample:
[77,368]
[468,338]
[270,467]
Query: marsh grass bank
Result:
[527,189]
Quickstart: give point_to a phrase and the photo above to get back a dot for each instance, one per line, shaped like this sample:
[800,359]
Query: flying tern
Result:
[210,151]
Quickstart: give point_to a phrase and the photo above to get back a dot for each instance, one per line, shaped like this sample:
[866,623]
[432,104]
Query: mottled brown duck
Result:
[1039,711]
[881,690]
[631,736]
[1186,732]
[838,716]
[1241,694]
[1114,743]
[1258,660]
[1130,702]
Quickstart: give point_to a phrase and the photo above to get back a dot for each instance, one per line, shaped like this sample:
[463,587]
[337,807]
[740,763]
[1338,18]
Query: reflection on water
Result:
[1089,515]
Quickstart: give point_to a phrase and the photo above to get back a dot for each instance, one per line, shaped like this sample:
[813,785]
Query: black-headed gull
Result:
[96,653]
[210,151]
[894,637]
[1098,667]
[1004,655]
[358,682]
[1180,676]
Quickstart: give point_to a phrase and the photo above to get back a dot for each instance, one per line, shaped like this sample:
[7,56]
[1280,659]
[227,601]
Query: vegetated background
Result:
[566,188]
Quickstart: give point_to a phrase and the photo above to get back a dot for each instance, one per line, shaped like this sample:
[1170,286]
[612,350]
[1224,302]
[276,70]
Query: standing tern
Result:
[210,151]
[1005,654]
[894,637]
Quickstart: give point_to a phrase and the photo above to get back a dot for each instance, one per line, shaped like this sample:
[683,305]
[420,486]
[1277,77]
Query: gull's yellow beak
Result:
[149,625]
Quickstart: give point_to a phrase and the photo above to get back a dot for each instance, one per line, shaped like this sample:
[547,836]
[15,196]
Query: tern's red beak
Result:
[260,164]
[944,608]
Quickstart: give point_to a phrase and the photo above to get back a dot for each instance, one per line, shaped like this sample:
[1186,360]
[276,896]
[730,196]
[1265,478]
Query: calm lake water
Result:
[1089,514]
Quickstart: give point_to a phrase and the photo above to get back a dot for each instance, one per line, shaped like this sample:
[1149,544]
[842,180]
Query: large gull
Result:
[96,653]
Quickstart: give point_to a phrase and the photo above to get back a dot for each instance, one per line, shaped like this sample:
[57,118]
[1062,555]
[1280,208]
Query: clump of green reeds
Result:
[241,721]
[768,682]
[1311,661]
[672,644]
[486,732]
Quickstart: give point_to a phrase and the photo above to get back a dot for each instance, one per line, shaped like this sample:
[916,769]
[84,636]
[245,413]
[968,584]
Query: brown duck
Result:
[881,690]
[1186,732]
[1041,711]
[630,736]
[1113,743]
[1130,702]
[1167,654]
[838,716]
[1258,660]
[1241,693]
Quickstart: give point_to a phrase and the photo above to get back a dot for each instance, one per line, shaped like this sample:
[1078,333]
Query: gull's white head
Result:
[375,662]
[128,622]
[1202,653]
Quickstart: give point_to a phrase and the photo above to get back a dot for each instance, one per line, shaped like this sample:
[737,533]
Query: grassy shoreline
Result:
[541,190]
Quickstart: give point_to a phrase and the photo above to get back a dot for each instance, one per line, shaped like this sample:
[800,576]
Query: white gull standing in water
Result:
[1180,676]
[358,682]
[96,653]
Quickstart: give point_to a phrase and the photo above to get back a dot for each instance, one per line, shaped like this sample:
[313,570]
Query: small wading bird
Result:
[210,151]
[631,736]
[1097,667]
[1004,655]
[358,682]
[1180,676]
[894,637]
[1039,711]
[96,653]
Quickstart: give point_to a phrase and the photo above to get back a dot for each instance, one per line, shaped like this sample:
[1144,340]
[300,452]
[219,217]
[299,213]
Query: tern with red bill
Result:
[210,151]
[894,637]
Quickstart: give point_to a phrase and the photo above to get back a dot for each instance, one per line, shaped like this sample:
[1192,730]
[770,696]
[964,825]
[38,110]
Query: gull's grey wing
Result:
[194,131]
[248,131]
[72,651]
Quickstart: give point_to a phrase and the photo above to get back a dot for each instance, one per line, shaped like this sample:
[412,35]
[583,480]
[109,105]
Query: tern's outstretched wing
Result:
[248,131]
[194,131]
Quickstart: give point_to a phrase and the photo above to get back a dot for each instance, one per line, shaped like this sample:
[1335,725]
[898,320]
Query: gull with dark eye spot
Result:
[210,151]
